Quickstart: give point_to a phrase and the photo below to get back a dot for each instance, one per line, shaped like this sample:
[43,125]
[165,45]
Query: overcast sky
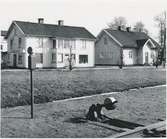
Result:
[92,14]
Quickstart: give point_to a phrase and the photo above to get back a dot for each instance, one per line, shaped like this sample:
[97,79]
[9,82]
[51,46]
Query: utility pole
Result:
[70,58]
[29,50]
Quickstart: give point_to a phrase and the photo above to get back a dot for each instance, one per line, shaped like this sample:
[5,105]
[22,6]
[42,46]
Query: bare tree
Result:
[161,24]
[118,21]
[140,27]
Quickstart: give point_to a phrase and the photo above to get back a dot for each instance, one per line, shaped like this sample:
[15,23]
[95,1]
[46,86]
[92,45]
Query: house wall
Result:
[40,45]
[140,55]
[46,48]
[15,50]
[107,54]
[77,50]
[89,50]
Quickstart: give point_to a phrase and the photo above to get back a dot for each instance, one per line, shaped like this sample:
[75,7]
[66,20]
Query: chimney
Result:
[128,29]
[40,20]
[60,22]
[140,30]
[119,27]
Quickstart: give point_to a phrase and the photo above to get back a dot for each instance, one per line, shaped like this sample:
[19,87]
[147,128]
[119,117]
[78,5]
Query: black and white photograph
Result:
[83,68]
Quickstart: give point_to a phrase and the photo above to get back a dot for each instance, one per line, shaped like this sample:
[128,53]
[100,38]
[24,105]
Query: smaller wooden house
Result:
[116,47]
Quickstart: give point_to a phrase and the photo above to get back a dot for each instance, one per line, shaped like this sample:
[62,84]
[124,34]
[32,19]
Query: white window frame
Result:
[82,61]
[60,43]
[83,44]
[11,44]
[41,57]
[105,40]
[19,42]
[152,55]
[20,61]
[66,44]
[130,54]
[54,44]
[53,57]
[60,57]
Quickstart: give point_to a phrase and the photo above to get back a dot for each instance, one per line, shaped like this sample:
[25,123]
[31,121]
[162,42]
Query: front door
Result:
[14,60]
[146,57]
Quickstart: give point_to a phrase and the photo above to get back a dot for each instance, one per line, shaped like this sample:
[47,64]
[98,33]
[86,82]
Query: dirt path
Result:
[143,106]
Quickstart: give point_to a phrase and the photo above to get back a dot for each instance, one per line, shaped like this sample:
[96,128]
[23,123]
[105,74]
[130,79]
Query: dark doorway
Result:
[14,60]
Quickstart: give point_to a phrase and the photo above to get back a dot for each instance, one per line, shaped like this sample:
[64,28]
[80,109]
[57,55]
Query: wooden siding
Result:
[14,35]
[107,54]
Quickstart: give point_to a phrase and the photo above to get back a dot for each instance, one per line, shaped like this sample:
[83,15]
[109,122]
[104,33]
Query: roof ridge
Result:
[48,24]
[37,29]
[132,31]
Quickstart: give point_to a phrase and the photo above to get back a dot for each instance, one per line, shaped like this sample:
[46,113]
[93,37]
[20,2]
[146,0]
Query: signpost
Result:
[30,52]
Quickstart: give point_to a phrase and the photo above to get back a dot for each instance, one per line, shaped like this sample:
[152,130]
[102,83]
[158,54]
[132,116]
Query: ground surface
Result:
[52,85]
[144,106]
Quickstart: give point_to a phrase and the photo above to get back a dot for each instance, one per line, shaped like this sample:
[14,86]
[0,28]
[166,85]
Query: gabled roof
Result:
[131,39]
[50,30]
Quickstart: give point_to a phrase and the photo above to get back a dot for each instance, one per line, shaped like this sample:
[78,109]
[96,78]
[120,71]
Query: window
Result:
[83,59]
[11,44]
[20,59]
[130,54]
[146,54]
[66,44]
[40,43]
[105,40]
[53,57]
[72,44]
[19,42]
[54,44]
[41,58]
[60,57]
[60,43]
[83,44]
[152,55]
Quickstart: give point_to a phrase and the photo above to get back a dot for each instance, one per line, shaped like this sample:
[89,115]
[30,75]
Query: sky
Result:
[91,14]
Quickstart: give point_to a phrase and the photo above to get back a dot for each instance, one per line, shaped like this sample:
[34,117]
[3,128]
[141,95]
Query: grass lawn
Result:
[53,85]
[56,119]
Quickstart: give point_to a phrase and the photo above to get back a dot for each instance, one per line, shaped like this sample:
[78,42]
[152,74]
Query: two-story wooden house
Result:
[51,44]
